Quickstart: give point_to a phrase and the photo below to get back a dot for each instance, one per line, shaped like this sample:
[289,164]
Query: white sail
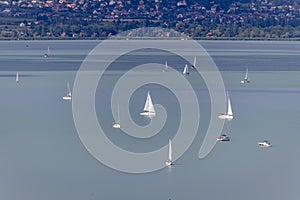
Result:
[194,64]
[149,107]
[246,75]
[229,109]
[186,69]
[229,114]
[117,124]
[246,79]
[166,67]
[169,161]
[170,150]
[46,55]
[69,93]
[17,77]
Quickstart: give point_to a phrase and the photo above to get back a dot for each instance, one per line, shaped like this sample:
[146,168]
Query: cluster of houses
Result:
[160,11]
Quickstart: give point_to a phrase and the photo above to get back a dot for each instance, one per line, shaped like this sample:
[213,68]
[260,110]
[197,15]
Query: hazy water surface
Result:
[42,157]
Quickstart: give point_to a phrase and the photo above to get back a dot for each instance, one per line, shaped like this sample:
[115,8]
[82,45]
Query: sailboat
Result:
[166,67]
[229,114]
[46,55]
[246,79]
[148,108]
[223,137]
[186,70]
[69,93]
[17,77]
[169,161]
[194,64]
[117,124]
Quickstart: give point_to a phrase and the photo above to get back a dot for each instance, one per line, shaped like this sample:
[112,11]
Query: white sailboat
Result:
[194,63]
[186,70]
[117,124]
[69,93]
[229,114]
[169,161]
[48,52]
[166,67]
[149,110]
[17,77]
[246,79]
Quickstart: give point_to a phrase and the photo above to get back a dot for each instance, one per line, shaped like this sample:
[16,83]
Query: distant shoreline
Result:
[152,38]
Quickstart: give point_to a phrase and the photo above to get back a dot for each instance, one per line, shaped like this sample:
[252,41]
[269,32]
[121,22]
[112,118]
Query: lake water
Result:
[42,156]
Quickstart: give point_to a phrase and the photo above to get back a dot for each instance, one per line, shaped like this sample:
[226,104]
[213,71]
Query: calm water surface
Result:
[42,157]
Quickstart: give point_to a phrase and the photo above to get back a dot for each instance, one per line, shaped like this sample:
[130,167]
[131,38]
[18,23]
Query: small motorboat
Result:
[265,143]
[223,137]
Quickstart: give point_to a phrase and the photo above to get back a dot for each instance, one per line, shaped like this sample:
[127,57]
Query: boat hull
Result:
[168,163]
[245,81]
[116,125]
[148,114]
[228,117]
[263,144]
[67,98]
[223,139]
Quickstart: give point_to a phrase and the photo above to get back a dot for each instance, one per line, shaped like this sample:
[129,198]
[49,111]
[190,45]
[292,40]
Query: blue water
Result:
[42,157]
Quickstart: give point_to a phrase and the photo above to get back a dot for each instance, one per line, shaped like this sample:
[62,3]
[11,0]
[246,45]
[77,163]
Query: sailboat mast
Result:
[68,89]
[17,77]
[170,150]
[118,114]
